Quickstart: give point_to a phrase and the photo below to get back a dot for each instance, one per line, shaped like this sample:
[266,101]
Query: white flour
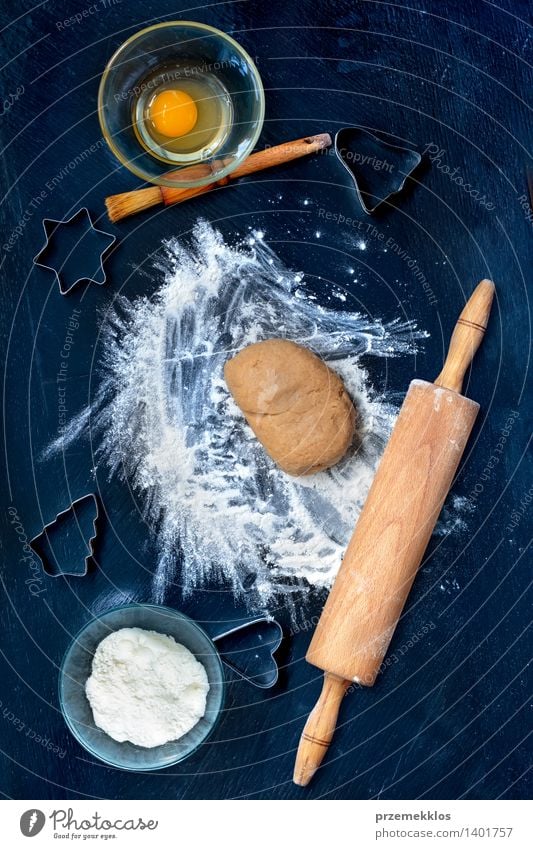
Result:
[224,516]
[145,687]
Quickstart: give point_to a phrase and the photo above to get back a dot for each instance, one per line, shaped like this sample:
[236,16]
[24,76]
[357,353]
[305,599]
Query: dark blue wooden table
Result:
[452,718]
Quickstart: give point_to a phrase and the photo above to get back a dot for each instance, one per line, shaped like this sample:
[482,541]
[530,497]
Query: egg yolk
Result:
[173,113]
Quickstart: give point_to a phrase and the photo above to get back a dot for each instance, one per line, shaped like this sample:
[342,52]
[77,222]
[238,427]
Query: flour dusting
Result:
[163,420]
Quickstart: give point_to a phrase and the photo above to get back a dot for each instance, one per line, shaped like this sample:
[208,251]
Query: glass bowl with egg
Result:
[77,667]
[181,104]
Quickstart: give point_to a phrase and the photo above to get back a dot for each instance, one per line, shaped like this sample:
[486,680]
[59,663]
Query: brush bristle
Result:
[129,203]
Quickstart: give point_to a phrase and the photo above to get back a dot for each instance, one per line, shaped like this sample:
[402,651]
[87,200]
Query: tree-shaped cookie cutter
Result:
[86,547]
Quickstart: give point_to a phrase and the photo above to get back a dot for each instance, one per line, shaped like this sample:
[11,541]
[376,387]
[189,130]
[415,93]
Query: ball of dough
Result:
[295,404]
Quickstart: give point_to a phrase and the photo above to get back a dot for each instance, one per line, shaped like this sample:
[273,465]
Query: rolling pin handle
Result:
[467,336]
[319,729]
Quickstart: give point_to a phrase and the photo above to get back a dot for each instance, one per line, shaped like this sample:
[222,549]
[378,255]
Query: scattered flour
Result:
[453,517]
[164,422]
[145,687]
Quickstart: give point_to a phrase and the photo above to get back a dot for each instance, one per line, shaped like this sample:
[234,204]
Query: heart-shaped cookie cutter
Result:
[389,165]
[248,650]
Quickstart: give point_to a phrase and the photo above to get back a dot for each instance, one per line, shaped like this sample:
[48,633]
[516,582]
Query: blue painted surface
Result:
[449,718]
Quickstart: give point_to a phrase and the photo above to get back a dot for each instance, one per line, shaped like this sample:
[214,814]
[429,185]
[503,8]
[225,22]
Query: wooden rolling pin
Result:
[387,546]
[129,203]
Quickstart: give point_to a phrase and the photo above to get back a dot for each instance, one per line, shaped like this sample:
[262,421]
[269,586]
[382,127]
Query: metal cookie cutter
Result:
[378,169]
[248,649]
[62,546]
[74,250]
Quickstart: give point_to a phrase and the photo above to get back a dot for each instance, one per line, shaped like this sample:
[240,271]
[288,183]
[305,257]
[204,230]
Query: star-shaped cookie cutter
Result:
[99,238]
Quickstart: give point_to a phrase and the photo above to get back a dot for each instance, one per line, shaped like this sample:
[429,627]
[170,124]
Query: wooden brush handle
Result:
[319,729]
[281,153]
[467,336]
[129,203]
[259,161]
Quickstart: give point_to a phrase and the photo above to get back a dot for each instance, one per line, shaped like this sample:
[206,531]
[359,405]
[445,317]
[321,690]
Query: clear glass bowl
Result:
[202,50]
[76,669]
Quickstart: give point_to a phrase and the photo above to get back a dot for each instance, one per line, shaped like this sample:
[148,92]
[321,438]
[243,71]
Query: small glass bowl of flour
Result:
[141,686]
